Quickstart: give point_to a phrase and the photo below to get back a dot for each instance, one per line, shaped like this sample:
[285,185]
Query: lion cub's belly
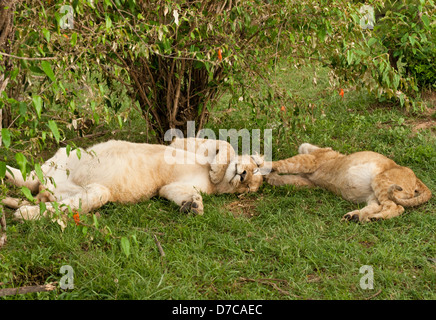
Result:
[353,182]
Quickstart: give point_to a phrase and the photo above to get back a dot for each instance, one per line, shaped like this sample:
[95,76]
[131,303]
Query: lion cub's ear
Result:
[258,159]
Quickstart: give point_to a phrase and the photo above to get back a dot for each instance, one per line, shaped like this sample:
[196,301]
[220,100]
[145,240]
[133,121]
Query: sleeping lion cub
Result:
[359,177]
[120,171]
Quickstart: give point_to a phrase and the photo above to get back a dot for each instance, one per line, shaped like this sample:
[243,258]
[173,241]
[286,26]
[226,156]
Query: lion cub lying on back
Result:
[121,171]
[359,177]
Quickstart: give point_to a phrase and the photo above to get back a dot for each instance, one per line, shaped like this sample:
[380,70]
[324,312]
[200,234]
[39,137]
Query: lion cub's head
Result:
[241,175]
[228,172]
[407,190]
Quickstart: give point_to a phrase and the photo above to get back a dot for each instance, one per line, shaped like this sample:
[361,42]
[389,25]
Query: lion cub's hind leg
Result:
[86,198]
[306,148]
[14,203]
[380,206]
[364,214]
[390,209]
[15,177]
[184,195]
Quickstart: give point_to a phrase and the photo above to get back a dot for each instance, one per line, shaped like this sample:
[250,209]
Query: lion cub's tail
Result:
[424,194]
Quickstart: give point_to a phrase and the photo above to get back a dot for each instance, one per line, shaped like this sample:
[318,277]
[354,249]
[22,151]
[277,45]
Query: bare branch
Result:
[26,58]
[3,236]
[28,289]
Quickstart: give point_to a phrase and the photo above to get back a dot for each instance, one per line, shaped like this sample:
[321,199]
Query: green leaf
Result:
[6,138]
[46,67]
[42,207]
[39,172]
[27,193]
[2,169]
[120,121]
[350,57]
[54,129]
[125,246]
[46,34]
[22,162]
[37,103]
[94,218]
[425,20]
[322,34]
[108,23]
[371,41]
[73,39]
[23,108]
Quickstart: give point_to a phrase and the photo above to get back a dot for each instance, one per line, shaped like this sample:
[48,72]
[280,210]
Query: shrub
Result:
[408,32]
[175,58]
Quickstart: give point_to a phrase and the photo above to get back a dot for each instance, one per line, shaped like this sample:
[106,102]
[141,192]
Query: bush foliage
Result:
[69,66]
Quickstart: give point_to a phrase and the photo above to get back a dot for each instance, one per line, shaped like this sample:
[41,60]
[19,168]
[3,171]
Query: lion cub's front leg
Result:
[301,163]
[184,195]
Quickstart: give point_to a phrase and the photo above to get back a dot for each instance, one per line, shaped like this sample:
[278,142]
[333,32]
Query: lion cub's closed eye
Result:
[364,176]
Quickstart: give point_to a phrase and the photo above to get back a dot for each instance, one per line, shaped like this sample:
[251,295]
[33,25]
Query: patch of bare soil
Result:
[243,207]
[427,119]
[423,124]
[430,97]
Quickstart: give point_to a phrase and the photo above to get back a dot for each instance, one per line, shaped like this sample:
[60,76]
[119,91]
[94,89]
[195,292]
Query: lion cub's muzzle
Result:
[242,175]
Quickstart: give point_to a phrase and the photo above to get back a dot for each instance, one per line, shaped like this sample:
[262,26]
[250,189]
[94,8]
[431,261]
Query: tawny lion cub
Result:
[121,171]
[359,177]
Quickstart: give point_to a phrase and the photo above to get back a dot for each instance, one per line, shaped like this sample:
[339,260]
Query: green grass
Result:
[280,243]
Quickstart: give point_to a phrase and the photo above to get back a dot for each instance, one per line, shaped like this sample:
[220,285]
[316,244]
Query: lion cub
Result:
[126,172]
[359,177]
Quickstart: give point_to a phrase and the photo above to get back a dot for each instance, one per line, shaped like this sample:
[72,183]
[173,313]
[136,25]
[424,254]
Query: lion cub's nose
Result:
[243,174]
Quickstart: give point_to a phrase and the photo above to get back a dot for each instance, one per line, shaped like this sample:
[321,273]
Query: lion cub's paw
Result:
[216,174]
[196,206]
[275,179]
[27,213]
[352,216]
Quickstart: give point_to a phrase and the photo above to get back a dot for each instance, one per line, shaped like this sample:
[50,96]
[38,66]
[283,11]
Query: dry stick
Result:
[161,251]
[28,289]
[7,21]
[147,119]
[188,89]
[277,47]
[374,295]
[93,135]
[274,285]
[177,97]
[143,95]
[169,88]
[203,112]
[26,58]
[3,236]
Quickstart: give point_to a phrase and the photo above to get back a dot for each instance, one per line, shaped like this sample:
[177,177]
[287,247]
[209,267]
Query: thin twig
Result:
[159,246]
[273,284]
[374,295]
[26,58]
[277,47]
[177,97]
[93,135]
